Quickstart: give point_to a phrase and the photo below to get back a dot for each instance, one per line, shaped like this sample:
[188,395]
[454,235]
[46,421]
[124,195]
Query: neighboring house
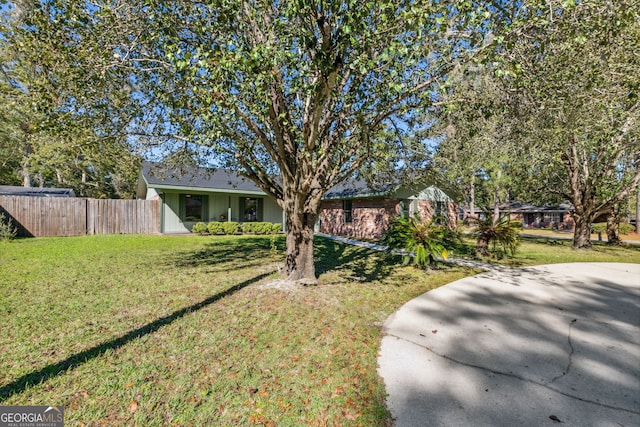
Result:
[204,195]
[532,216]
[353,209]
[10,190]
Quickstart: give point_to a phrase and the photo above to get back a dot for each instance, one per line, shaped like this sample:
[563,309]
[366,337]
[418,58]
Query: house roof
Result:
[355,189]
[515,207]
[197,179]
[11,190]
[155,175]
[526,207]
[359,188]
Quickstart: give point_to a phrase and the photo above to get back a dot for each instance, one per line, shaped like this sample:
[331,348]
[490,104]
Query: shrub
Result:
[626,228]
[261,228]
[7,230]
[599,227]
[275,228]
[420,242]
[200,228]
[216,227]
[504,233]
[231,227]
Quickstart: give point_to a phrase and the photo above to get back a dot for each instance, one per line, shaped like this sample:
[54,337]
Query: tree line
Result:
[536,99]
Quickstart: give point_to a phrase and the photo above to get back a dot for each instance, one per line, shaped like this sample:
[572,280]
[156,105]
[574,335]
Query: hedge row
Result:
[215,227]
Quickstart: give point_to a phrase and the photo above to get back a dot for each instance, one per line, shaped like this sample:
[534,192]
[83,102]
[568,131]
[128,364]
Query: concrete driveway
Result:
[553,344]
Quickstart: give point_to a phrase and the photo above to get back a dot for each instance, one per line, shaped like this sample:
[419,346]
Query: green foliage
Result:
[200,228]
[503,236]
[296,95]
[261,228]
[231,227]
[7,230]
[623,227]
[626,228]
[420,243]
[216,227]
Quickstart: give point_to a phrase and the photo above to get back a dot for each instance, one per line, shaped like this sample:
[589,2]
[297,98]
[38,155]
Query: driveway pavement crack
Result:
[515,376]
[568,368]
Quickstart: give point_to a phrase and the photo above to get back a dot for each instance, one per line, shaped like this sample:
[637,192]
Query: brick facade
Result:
[371,216]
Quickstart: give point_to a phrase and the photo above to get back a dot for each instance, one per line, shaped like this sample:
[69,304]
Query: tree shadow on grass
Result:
[219,251]
[21,384]
[361,264]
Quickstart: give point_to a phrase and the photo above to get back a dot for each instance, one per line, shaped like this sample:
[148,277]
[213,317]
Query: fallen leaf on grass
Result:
[133,406]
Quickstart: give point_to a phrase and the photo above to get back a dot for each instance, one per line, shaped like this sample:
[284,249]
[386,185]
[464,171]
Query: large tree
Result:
[295,95]
[47,137]
[574,65]
[475,129]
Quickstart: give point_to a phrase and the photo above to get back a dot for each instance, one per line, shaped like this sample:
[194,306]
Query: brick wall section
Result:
[371,216]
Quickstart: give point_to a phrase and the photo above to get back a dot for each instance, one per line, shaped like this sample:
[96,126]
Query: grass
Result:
[134,330]
[156,330]
[552,233]
[532,251]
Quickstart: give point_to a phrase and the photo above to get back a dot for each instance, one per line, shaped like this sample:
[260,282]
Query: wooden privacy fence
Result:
[74,216]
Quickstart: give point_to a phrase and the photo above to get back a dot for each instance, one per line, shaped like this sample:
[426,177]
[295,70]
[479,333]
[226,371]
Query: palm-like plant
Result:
[420,243]
[502,232]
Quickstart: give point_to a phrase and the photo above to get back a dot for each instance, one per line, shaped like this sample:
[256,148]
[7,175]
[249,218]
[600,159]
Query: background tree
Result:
[296,96]
[47,138]
[567,107]
[574,65]
[476,130]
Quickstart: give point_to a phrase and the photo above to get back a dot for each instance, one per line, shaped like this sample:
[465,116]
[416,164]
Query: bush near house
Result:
[216,228]
[231,227]
[421,243]
[261,228]
[200,228]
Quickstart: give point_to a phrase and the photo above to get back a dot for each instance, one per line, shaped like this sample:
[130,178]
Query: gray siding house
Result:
[204,195]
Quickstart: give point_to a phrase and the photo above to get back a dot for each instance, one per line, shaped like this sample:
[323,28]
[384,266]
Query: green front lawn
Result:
[180,331]
[158,330]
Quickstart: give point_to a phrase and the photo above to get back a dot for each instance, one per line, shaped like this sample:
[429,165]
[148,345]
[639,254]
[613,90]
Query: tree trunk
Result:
[638,211]
[299,259]
[582,232]
[301,214]
[472,202]
[496,208]
[613,223]
[482,246]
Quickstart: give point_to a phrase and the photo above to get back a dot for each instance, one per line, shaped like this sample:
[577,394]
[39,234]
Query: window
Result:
[347,207]
[440,212]
[193,207]
[251,209]
[405,208]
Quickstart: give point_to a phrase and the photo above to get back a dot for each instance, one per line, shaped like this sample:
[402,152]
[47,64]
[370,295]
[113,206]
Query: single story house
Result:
[204,195]
[533,216]
[353,209]
[350,209]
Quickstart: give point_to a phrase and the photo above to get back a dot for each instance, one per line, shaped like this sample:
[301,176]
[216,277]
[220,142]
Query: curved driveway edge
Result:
[535,346]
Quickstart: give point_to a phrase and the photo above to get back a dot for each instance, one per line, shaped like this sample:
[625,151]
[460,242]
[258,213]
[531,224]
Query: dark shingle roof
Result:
[358,188]
[10,190]
[222,179]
